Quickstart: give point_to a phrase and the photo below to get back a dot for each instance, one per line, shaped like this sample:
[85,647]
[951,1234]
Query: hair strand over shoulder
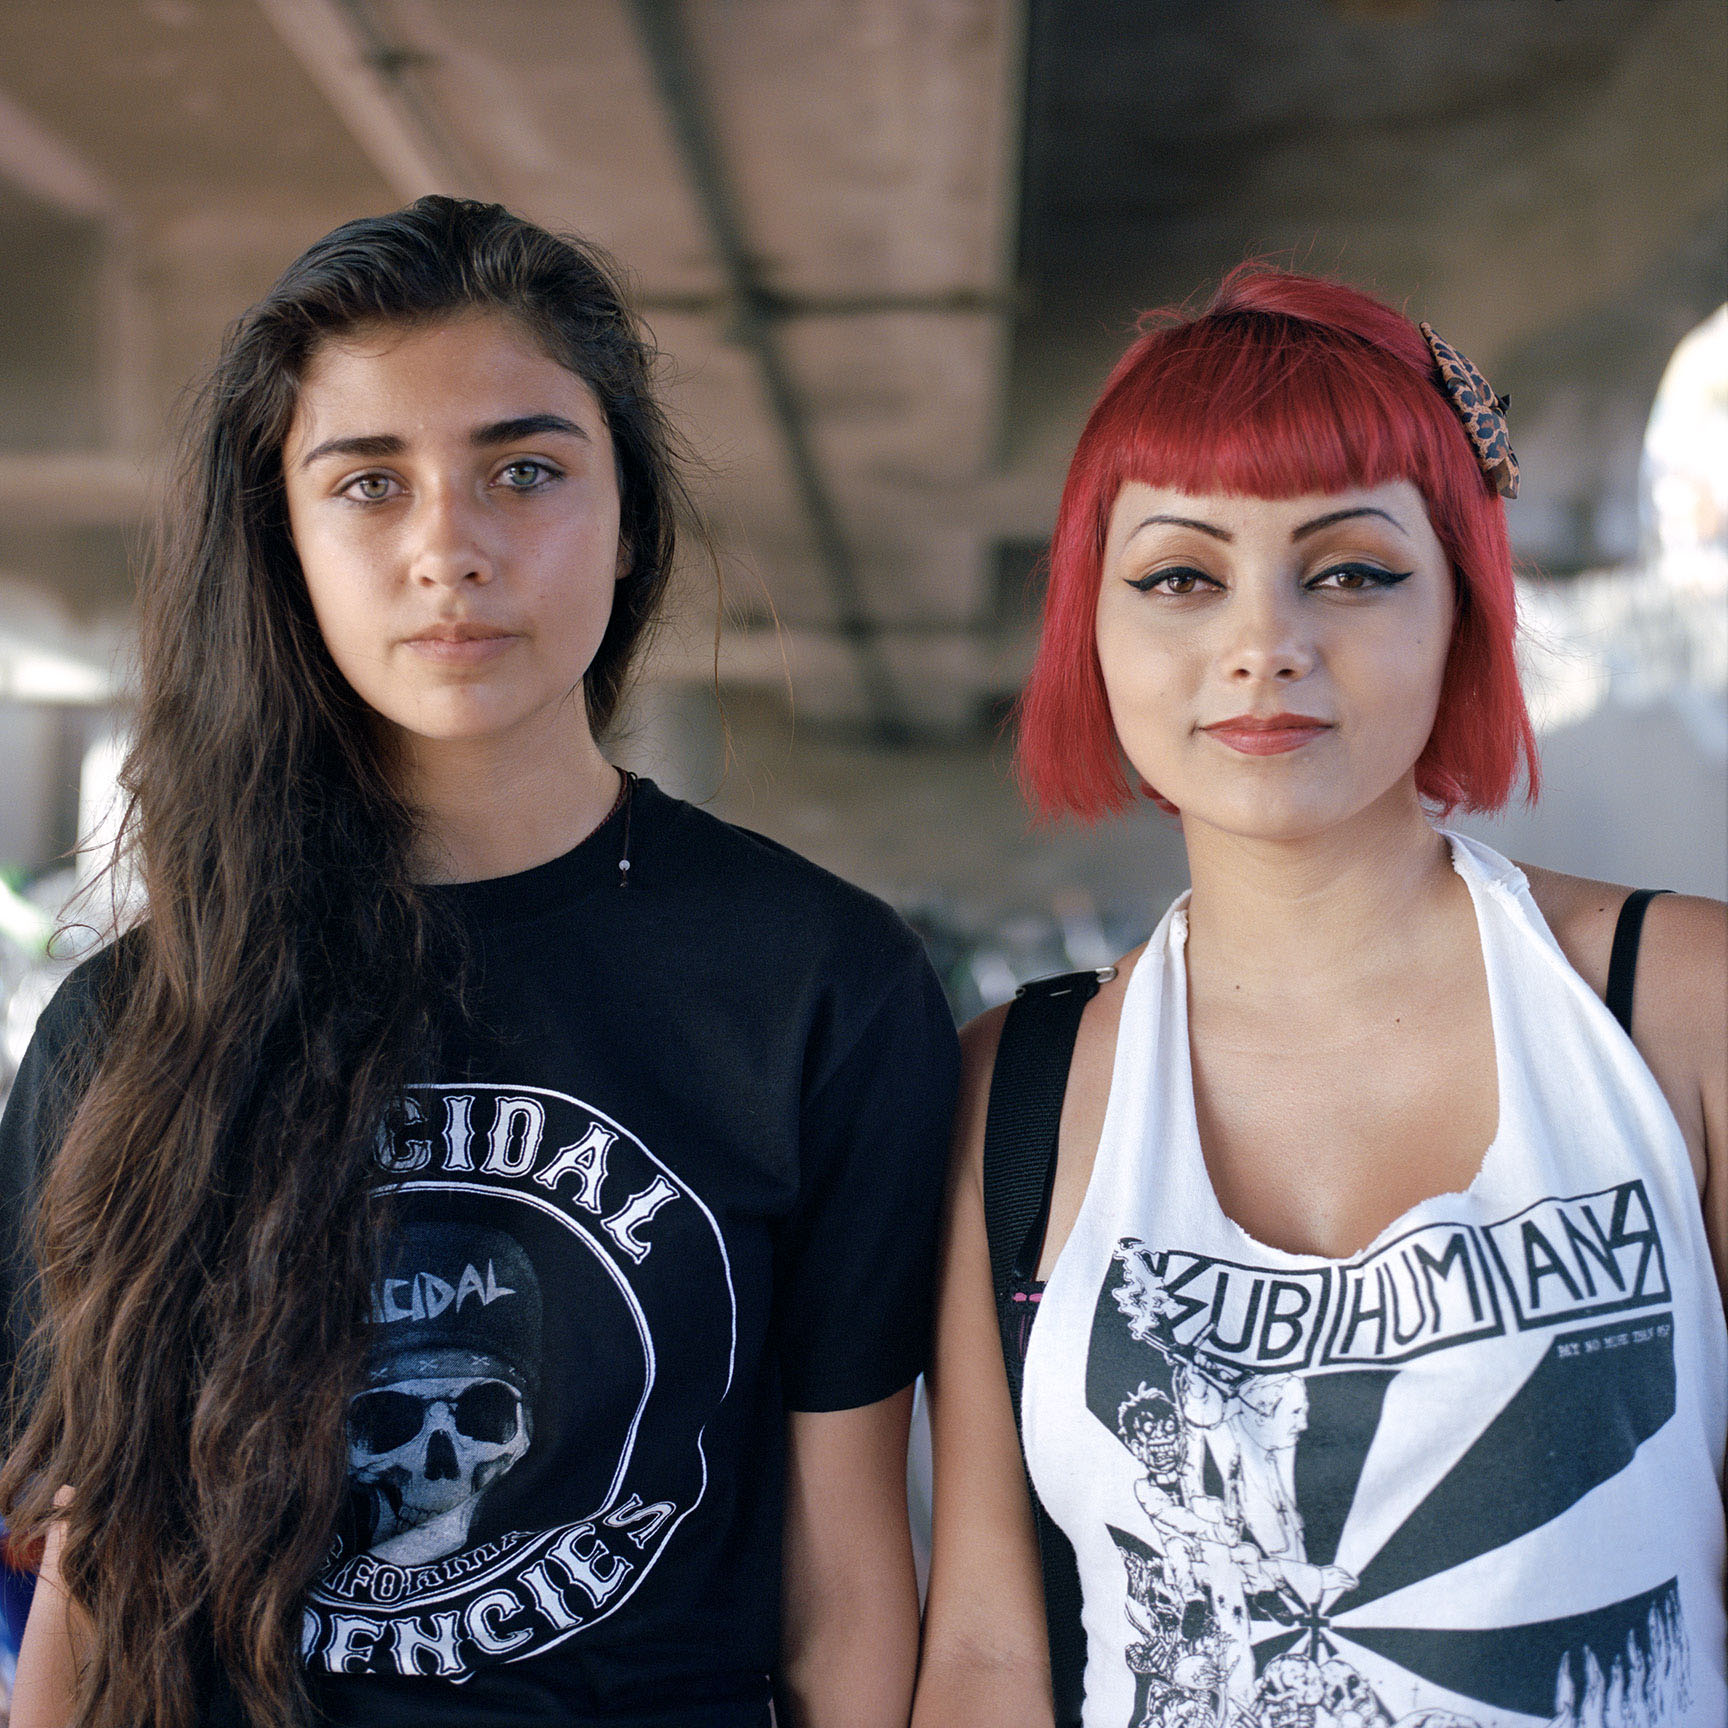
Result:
[209,1229]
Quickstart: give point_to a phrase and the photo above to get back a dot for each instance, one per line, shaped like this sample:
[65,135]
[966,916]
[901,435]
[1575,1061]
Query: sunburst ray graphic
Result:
[1243,1612]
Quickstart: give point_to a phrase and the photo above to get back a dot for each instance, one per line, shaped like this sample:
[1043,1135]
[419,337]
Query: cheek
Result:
[1412,667]
[1391,682]
[574,591]
[1148,676]
[344,606]
[335,579]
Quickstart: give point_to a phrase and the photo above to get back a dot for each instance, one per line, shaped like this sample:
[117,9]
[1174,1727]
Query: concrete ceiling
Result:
[889,247]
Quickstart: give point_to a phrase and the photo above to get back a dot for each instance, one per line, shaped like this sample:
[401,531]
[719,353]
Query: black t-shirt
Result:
[678,1175]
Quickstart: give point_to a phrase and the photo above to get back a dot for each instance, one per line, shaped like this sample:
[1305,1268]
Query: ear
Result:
[626,560]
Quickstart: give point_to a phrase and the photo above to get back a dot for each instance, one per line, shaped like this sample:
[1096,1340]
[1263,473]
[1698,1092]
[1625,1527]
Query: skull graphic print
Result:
[449,1404]
[553,1331]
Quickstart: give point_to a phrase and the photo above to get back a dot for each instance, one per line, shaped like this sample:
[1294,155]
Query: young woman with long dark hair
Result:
[484,1202]
[1358,1283]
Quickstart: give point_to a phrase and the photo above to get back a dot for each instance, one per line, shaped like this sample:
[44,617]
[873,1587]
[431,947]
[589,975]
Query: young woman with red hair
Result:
[1379,1371]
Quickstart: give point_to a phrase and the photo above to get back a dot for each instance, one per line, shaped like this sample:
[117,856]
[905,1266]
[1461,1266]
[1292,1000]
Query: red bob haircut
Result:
[1284,385]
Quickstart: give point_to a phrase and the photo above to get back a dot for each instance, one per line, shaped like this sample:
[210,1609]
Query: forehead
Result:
[472,369]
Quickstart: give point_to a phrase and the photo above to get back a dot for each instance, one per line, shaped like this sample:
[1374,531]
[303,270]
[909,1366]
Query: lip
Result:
[1267,734]
[461,644]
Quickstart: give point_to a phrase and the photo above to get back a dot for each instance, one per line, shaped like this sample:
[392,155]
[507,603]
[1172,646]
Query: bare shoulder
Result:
[1683,983]
[978,1041]
[1683,958]
[1680,995]
[1582,914]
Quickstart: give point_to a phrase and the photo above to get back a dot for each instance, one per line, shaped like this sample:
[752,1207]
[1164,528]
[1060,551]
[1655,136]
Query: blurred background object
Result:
[891,248]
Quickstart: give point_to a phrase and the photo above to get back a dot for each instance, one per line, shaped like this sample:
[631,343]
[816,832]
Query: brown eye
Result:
[1178,582]
[1355,579]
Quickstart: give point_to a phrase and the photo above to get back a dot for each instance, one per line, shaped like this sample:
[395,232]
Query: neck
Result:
[491,807]
[1320,913]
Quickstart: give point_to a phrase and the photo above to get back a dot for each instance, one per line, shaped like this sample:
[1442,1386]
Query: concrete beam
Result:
[366,80]
[945,669]
[960,302]
[42,164]
[667,47]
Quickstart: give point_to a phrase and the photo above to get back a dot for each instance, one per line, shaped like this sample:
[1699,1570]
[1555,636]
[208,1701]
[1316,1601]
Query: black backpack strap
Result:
[1020,1131]
[1623,957]
[1026,1089]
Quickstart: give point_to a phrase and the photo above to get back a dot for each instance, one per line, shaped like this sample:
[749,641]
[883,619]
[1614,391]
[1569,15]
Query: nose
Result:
[1269,642]
[449,547]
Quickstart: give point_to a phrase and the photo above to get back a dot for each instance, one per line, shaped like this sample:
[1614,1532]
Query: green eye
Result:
[525,476]
[372,487]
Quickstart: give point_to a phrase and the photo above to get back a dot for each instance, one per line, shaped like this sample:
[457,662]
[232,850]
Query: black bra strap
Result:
[1623,959]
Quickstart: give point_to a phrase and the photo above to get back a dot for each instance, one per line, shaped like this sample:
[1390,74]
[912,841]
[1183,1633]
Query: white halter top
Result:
[1468,1478]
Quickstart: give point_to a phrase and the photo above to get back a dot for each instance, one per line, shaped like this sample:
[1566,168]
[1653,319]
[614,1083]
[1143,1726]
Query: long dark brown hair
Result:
[209,1229]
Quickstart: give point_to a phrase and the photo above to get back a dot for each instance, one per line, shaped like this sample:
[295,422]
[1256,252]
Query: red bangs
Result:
[1287,385]
[1268,407]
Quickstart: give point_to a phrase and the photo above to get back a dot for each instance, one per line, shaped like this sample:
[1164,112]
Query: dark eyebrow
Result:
[1332,516]
[1216,532]
[369,446]
[374,446]
[524,426]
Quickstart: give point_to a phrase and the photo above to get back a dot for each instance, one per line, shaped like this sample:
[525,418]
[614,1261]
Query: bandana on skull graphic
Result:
[449,1404]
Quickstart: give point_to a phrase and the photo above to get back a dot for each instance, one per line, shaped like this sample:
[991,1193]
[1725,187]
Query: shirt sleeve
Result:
[37,1111]
[857,1257]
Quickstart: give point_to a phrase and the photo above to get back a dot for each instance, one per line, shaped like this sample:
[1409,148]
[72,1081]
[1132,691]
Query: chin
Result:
[1271,826]
[1259,813]
[460,715]
[1296,813]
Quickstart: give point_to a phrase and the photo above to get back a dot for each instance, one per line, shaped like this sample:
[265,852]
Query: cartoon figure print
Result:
[449,1404]
[1240,1613]
[1189,1596]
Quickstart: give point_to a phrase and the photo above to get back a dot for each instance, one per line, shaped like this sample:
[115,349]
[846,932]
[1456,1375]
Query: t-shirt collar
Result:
[589,866]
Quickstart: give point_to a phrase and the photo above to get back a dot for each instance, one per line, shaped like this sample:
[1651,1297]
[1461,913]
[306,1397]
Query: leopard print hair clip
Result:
[1483,413]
